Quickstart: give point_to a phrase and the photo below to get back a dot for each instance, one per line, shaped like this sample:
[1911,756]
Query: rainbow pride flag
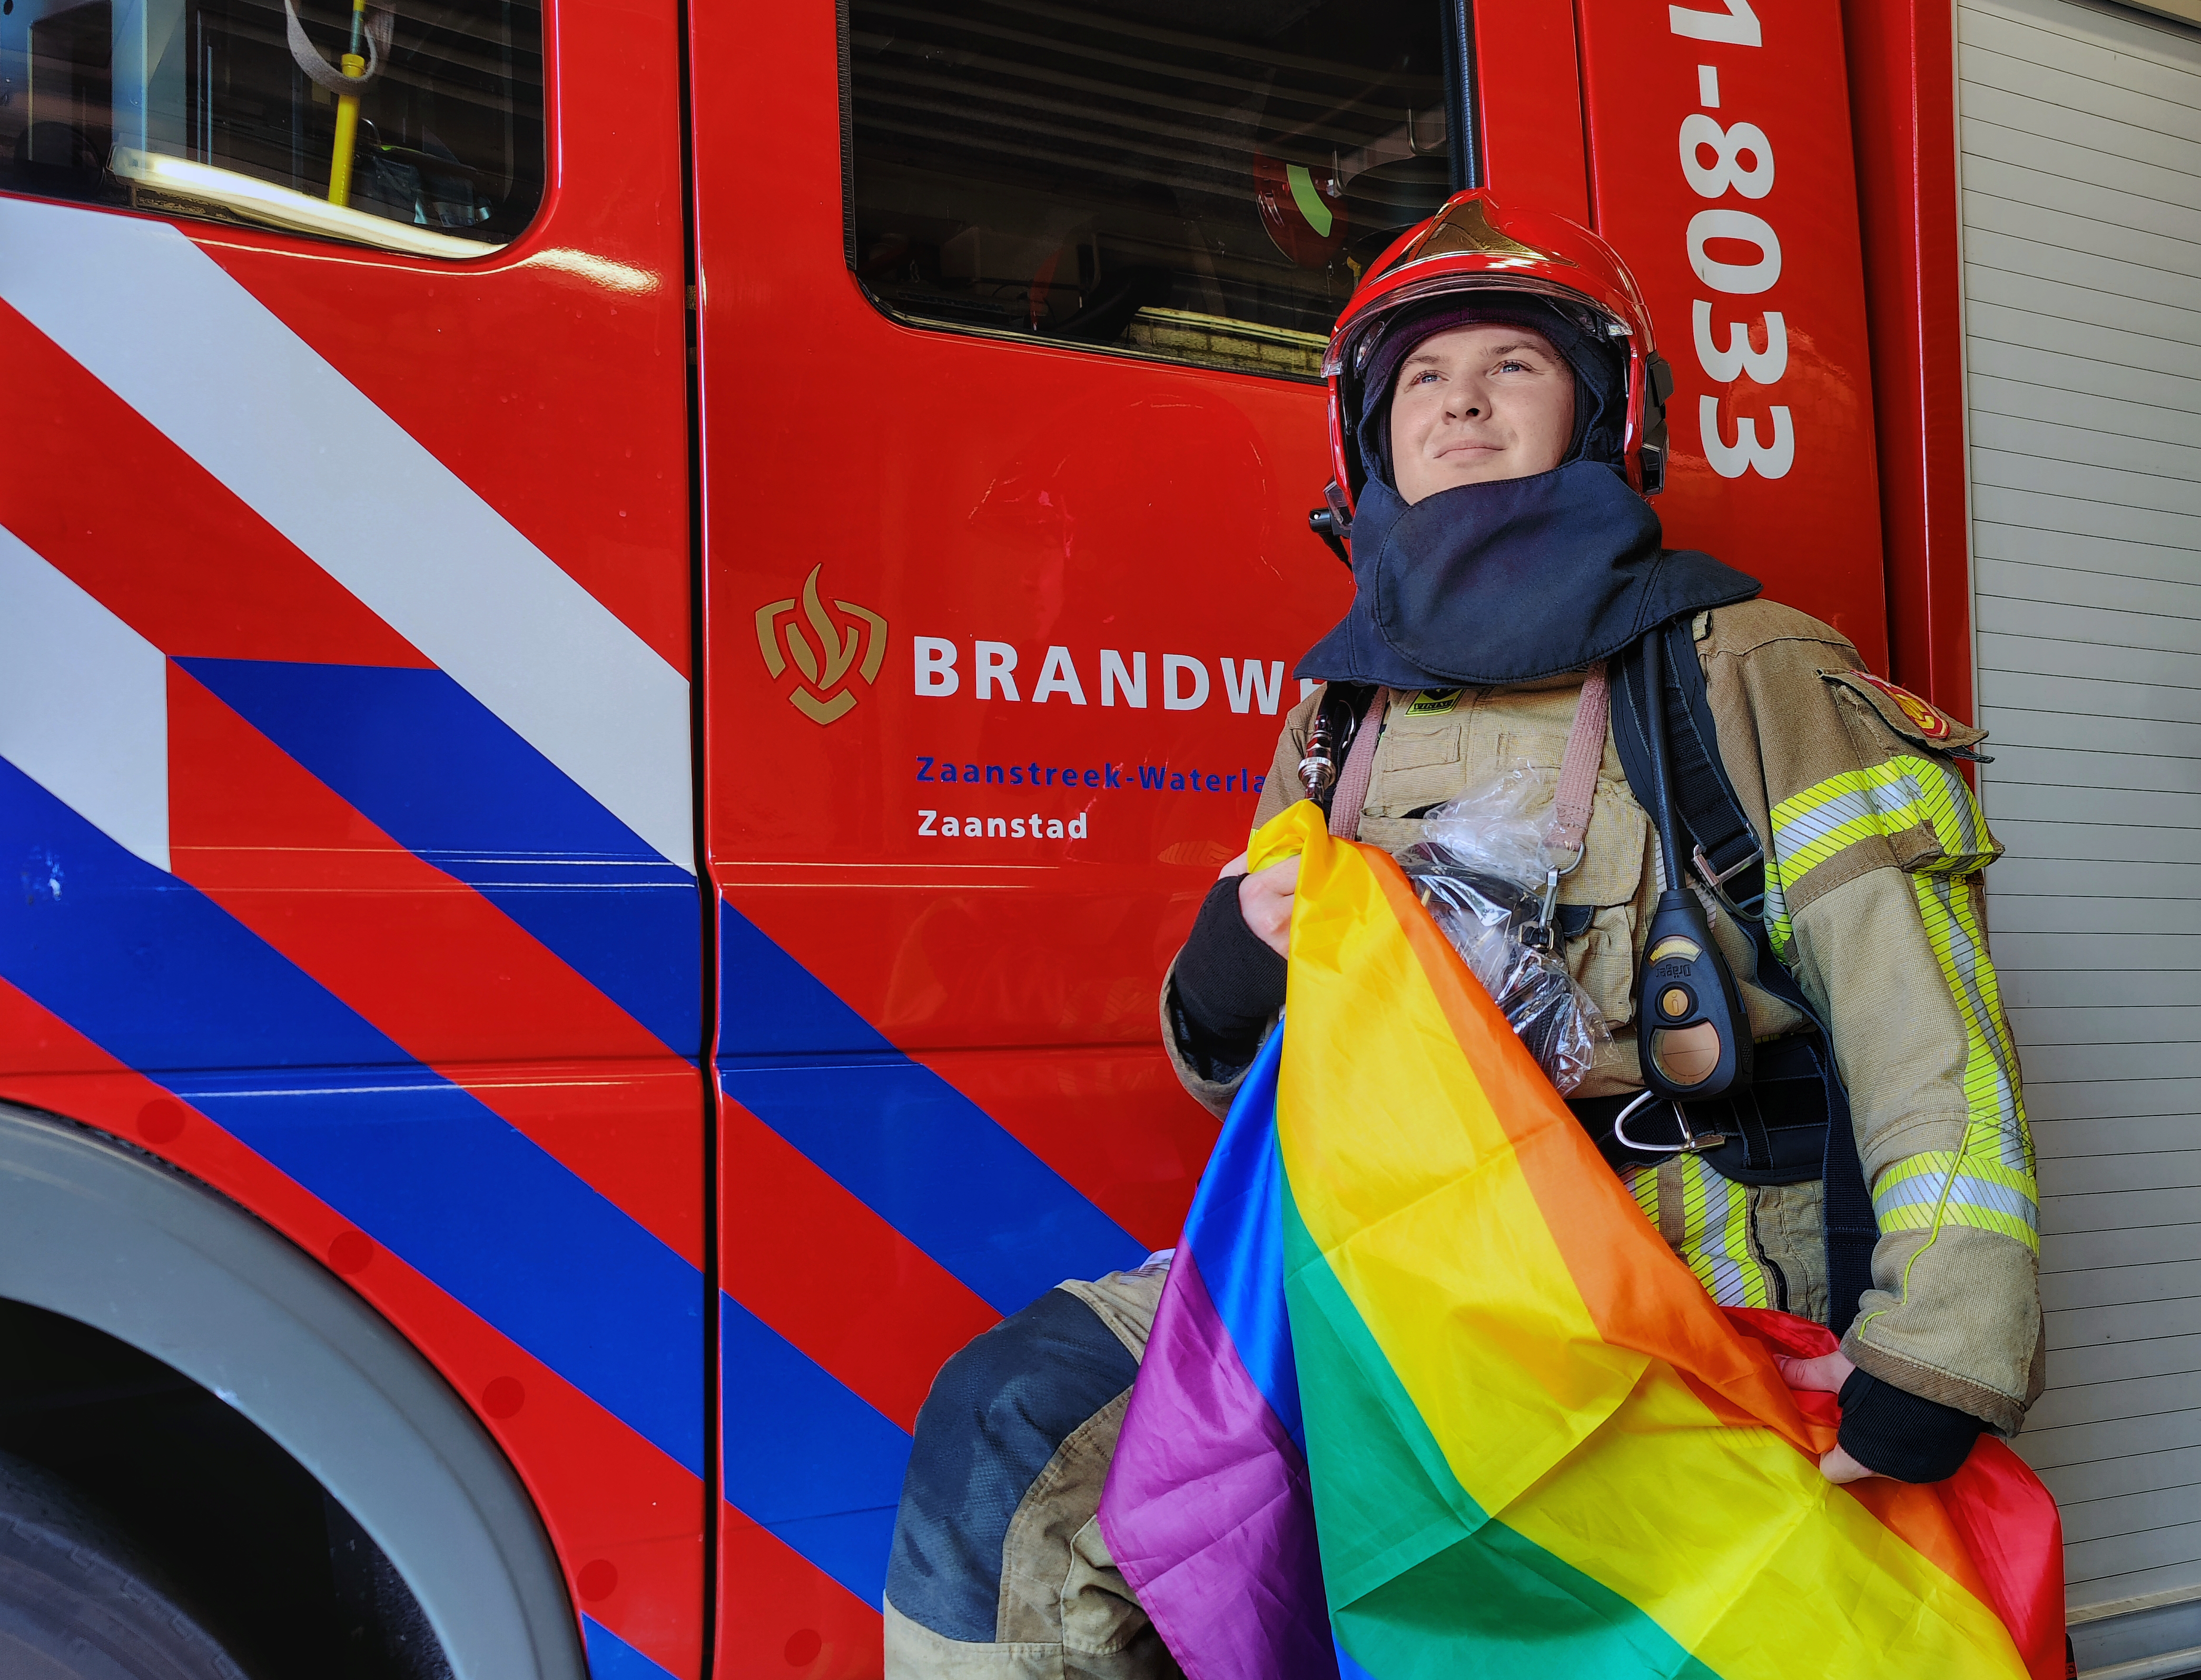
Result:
[1427,1396]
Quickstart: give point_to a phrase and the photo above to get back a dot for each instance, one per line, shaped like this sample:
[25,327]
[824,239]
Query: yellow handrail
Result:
[340,156]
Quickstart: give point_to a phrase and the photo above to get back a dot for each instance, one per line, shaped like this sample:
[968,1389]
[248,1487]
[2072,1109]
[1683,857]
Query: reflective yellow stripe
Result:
[1643,1184]
[1943,1185]
[1987,1184]
[1905,792]
[1715,1240]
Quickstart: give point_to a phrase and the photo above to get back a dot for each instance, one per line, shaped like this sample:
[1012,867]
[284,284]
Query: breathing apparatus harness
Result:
[1773,1113]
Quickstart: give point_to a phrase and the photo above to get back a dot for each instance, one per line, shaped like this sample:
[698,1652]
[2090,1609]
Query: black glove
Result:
[1230,985]
[1899,1434]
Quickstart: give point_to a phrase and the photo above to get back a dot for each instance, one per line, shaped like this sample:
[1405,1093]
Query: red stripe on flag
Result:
[875,1310]
[783,1618]
[164,545]
[606,1495]
[435,965]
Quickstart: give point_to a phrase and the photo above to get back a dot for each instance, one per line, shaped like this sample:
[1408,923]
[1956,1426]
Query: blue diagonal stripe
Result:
[914,1149]
[611,1657]
[162,978]
[805,1457]
[441,774]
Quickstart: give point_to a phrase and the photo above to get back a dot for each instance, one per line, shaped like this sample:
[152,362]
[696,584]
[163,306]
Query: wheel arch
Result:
[99,1232]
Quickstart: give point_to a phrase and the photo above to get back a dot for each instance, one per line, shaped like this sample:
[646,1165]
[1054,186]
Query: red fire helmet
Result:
[1472,244]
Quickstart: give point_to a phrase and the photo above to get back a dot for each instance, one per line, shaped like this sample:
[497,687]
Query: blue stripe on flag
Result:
[805,1457]
[611,1657]
[162,978]
[436,771]
[899,1137]
[1236,1235]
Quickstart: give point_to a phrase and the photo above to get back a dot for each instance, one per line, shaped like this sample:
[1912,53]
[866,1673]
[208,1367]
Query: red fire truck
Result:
[630,632]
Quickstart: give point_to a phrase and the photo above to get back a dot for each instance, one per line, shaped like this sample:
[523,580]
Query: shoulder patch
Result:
[1928,718]
[1908,715]
[1434,702]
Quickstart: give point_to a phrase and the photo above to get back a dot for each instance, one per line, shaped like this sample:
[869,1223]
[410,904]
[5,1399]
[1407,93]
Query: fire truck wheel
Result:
[78,1601]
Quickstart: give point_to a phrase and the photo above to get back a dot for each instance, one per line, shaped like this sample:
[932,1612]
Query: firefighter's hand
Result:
[1826,1375]
[1265,900]
[1838,1466]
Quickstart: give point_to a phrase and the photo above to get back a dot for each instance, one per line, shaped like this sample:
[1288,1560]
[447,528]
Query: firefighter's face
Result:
[1477,403]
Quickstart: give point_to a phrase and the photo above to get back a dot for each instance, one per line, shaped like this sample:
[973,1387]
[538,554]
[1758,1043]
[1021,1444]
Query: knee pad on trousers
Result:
[996,1414]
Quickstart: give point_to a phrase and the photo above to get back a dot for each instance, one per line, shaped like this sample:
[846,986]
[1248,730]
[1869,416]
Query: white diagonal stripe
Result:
[164,327]
[84,702]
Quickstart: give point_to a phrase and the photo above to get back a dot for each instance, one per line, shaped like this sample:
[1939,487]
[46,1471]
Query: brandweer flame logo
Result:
[826,663]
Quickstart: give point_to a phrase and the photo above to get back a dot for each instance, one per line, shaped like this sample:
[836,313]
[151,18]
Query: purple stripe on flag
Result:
[1206,1510]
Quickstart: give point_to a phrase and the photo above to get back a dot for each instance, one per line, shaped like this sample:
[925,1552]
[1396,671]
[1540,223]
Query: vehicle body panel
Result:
[376,575]
[387,561]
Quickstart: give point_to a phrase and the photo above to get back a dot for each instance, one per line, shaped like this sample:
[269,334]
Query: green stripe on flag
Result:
[1422,1583]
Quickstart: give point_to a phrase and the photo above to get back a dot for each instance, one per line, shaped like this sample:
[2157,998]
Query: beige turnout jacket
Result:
[1873,845]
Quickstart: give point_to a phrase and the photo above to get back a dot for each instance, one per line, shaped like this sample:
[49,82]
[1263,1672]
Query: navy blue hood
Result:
[1516,580]
[1509,582]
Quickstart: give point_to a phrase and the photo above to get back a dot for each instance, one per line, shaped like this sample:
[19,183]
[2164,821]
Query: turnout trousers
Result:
[999,1570]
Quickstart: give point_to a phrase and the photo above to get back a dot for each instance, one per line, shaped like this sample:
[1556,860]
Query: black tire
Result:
[78,1602]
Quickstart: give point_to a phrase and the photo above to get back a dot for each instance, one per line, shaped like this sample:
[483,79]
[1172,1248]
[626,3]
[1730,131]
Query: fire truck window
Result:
[1198,180]
[416,126]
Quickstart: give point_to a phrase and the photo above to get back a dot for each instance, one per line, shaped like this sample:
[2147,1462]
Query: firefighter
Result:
[1495,401]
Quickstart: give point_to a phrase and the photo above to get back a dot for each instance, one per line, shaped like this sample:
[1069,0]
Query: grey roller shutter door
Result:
[2081,135]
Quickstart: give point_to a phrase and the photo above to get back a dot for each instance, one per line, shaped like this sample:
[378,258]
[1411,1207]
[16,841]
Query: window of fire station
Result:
[1200,180]
[415,127]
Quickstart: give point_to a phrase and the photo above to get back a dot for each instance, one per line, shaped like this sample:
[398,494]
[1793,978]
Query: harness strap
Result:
[1726,845]
[1360,766]
[1570,806]
[1731,860]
